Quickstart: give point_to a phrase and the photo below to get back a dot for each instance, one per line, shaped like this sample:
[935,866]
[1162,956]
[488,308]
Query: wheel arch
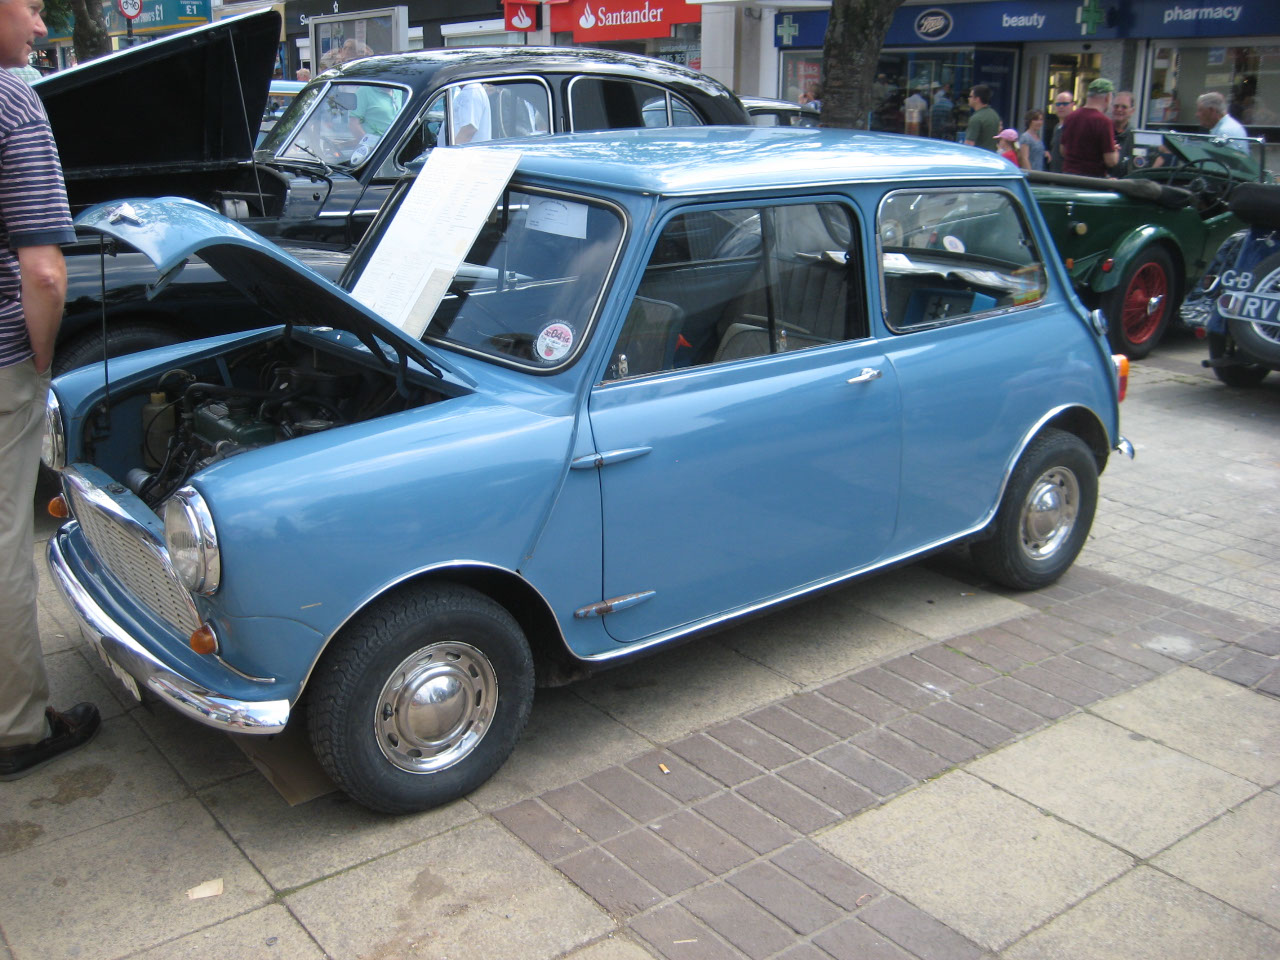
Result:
[554,665]
[1130,247]
[1084,423]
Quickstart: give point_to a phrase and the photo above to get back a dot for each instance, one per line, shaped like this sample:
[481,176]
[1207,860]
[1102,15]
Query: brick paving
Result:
[704,849]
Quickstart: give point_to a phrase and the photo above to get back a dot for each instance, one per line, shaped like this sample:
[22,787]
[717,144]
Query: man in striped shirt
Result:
[34,220]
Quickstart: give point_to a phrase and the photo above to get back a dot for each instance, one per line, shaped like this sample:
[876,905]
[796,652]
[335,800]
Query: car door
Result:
[747,427]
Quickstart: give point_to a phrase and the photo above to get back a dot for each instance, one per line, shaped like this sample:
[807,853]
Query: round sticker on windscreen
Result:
[554,342]
[954,244]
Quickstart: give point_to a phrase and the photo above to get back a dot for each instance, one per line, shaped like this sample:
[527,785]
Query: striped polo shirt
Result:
[33,203]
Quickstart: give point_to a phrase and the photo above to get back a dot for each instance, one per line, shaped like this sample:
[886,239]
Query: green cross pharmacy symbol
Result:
[787,30]
[1090,16]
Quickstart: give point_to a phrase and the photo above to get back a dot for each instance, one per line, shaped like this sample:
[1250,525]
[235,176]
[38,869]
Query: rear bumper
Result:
[124,654]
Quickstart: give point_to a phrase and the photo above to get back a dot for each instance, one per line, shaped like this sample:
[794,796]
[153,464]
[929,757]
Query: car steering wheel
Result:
[1212,187]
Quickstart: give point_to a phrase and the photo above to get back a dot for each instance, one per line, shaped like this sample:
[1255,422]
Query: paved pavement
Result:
[914,766]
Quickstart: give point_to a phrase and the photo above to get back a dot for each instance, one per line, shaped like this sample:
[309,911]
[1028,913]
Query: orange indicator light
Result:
[204,640]
[58,507]
[1122,373]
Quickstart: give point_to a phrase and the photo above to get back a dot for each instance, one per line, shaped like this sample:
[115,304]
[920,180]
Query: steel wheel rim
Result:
[1049,513]
[1144,302]
[436,707]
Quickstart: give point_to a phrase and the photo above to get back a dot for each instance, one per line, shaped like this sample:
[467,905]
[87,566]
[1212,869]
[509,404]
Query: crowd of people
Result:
[1094,138]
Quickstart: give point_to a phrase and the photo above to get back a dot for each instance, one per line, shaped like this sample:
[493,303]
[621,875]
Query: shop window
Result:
[1248,77]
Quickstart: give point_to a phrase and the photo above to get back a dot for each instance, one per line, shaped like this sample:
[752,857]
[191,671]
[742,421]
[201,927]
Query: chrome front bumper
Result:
[124,655]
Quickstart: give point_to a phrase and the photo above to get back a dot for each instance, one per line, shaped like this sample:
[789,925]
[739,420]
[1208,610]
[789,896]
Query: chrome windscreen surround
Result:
[129,550]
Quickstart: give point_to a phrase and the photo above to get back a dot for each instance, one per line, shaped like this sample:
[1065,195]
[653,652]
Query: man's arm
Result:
[1111,158]
[44,292]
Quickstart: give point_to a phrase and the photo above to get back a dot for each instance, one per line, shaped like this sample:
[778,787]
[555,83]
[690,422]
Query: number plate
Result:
[129,683]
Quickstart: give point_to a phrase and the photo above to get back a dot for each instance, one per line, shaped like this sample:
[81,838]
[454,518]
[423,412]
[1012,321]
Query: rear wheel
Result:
[1139,309]
[1045,514]
[1236,374]
[421,698]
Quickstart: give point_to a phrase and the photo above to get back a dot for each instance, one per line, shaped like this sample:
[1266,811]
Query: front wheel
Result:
[1044,516]
[1139,309]
[421,699]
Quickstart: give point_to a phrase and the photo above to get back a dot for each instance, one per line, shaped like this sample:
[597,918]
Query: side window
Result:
[477,111]
[949,255]
[601,103]
[724,284]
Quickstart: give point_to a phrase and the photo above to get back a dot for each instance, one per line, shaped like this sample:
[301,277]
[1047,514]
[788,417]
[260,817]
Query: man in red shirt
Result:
[1088,135]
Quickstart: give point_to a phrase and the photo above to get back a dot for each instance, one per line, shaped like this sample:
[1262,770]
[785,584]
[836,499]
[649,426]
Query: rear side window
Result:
[601,103]
[950,255]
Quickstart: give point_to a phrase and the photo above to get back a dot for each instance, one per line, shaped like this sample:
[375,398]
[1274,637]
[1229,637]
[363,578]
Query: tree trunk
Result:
[850,56]
[89,34]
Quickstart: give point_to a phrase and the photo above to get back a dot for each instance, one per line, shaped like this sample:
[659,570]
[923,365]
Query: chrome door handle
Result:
[868,374]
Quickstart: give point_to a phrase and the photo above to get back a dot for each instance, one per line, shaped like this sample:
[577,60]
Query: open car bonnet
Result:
[1214,154]
[170,230]
[190,101]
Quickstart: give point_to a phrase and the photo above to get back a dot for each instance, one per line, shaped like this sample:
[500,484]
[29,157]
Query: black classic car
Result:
[320,175]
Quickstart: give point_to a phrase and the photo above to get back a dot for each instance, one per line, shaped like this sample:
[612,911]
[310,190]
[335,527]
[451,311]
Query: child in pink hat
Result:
[1007,144]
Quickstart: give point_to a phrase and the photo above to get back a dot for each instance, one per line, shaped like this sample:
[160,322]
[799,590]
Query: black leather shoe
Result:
[71,729]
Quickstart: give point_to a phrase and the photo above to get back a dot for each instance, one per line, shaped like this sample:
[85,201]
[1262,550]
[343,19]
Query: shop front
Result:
[156,18]
[667,29]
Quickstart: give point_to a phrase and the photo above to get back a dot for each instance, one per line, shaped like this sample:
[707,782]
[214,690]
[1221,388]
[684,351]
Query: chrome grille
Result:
[133,557]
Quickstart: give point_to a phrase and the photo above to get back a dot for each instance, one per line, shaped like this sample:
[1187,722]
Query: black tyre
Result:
[1257,341]
[1240,375]
[1045,514]
[122,338]
[1139,309]
[421,698]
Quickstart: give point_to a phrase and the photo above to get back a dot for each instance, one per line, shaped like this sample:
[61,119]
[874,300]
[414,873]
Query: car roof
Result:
[434,68]
[684,160]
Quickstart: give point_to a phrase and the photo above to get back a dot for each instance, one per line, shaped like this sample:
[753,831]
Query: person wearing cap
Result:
[985,123]
[1007,144]
[1088,136]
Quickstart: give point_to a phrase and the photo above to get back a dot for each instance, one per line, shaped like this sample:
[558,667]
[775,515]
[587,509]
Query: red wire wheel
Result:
[1138,310]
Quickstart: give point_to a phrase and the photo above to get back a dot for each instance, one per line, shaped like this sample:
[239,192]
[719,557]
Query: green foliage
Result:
[58,16]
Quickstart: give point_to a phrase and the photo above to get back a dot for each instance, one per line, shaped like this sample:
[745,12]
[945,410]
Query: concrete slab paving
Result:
[72,679]
[1236,858]
[293,846]
[129,884]
[200,755]
[611,948]
[566,739]
[934,605]
[1116,784]
[664,698]
[121,775]
[1211,719]
[271,933]
[821,639]
[1146,915]
[988,864]
[472,892]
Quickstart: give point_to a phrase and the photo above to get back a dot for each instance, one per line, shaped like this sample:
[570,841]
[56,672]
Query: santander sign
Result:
[621,19]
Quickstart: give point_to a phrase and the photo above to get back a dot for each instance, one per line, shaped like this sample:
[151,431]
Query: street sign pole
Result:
[130,10]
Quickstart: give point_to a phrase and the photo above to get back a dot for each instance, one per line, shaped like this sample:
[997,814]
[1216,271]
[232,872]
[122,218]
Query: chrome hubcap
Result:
[1049,513]
[1153,305]
[435,707]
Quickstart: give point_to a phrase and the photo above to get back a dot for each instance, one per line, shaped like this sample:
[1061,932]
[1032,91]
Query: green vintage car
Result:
[1135,246]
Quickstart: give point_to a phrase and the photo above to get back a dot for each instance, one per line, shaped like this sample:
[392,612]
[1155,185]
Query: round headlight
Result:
[53,446]
[192,541]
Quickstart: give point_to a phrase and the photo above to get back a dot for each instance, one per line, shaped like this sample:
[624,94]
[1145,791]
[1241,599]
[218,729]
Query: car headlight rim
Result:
[53,444]
[192,541]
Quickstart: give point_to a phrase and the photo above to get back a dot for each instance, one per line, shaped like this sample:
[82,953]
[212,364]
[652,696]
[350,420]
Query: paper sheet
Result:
[425,242]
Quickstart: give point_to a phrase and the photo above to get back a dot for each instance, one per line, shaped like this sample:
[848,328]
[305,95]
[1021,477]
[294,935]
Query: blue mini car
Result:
[669,378]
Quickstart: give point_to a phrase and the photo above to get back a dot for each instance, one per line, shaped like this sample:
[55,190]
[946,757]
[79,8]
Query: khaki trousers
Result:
[24,687]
